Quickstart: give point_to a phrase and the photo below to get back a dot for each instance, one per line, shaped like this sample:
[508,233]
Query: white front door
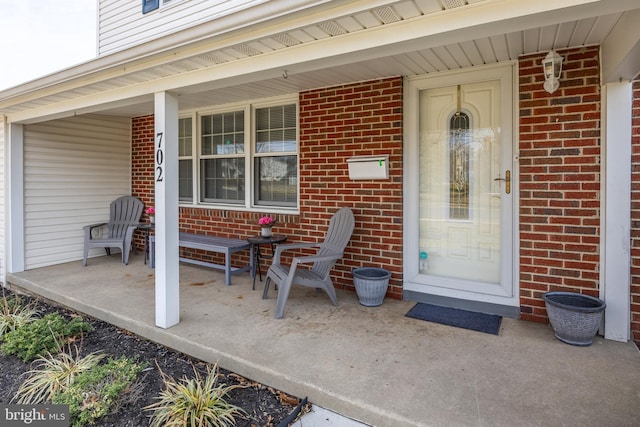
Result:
[459,235]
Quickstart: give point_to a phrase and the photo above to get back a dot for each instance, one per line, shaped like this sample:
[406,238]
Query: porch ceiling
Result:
[408,37]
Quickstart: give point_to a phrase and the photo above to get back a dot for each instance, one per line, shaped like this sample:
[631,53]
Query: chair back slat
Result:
[338,236]
[123,212]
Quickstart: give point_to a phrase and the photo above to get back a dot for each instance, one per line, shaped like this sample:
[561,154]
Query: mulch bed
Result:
[264,405]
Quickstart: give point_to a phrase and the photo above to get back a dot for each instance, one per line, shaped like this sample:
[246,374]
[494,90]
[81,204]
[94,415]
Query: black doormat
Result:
[481,322]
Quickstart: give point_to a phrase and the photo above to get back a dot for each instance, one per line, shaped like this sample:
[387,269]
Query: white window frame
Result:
[169,3]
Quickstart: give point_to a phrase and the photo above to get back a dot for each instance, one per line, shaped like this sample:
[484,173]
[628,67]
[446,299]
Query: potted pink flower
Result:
[266,222]
[151,211]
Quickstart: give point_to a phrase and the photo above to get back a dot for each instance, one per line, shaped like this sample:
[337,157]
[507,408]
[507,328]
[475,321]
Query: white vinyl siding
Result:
[122,24]
[73,169]
[3,258]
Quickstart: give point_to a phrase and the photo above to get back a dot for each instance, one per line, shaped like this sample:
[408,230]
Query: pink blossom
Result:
[266,221]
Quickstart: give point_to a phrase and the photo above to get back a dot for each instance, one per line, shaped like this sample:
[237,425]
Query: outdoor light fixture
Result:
[552,66]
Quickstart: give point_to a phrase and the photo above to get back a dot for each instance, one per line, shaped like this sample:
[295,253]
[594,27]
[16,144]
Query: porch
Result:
[372,364]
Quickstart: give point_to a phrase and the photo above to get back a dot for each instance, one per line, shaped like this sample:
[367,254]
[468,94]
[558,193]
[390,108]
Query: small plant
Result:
[95,392]
[54,374]
[14,314]
[194,402]
[266,222]
[41,336]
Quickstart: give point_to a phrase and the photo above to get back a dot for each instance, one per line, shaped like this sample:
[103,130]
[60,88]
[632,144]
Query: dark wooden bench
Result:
[221,245]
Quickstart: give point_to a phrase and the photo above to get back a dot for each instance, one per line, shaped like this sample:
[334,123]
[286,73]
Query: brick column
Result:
[559,180]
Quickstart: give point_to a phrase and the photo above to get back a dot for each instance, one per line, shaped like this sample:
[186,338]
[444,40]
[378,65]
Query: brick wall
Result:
[635,214]
[142,187]
[335,124]
[559,180]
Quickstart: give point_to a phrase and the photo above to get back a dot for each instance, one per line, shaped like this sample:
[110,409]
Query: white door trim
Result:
[615,252]
[505,72]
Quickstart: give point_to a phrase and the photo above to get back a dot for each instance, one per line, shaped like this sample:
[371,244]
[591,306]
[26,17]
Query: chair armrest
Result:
[99,224]
[283,247]
[88,228]
[314,258]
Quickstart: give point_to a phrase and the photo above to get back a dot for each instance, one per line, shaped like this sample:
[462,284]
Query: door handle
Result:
[507,181]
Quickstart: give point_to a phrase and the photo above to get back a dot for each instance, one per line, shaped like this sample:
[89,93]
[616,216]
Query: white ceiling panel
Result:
[486,51]
[500,48]
[446,58]
[602,25]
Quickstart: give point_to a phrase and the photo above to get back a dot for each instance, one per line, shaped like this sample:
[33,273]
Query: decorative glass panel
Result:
[459,143]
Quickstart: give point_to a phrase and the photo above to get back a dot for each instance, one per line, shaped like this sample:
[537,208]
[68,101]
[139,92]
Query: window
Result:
[149,5]
[276,162]
[165,3]
[185,159]
[222,168]
[245,157]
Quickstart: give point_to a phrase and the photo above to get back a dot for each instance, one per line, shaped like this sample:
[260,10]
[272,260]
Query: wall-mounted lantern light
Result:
[552,66]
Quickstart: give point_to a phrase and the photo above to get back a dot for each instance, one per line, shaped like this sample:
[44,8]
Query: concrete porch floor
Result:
[368,363]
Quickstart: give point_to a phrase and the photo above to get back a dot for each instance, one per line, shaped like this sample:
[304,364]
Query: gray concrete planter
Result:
[371,285]
[575,318]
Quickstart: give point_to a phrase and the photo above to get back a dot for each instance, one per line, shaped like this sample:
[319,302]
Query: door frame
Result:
[413,287]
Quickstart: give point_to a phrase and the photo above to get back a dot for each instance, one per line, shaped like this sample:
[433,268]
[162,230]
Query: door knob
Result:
[507,181]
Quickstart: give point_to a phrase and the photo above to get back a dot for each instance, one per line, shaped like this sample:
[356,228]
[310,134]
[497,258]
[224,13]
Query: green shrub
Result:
[194,402]
[54,374]
[42,336]
[14,314]
[95,392]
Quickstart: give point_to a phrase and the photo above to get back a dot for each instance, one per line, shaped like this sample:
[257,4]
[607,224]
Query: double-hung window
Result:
[276,160]
[222,158]
[245,157]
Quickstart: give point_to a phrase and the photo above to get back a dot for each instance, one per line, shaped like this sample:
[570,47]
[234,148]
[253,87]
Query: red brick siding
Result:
[335,124]
[559,180]
[635,213]
[142,130]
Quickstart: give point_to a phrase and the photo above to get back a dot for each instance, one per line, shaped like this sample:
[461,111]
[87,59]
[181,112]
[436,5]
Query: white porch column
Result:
[166,204]
[14,177]
[615,274]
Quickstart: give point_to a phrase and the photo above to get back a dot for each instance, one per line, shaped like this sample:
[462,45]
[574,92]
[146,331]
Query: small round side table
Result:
[258,240]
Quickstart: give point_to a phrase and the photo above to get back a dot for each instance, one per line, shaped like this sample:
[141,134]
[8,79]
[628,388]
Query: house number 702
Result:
[159,158]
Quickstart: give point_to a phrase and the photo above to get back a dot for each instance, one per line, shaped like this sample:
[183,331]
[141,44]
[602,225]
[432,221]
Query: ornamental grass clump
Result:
[41,336]
[98,391]
[54,374]
[194,402]
[14,314]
